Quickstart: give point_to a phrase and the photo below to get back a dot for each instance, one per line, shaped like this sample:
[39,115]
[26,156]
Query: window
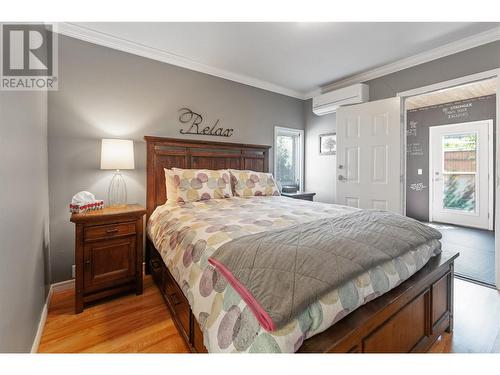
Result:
[288,156]
[459,171]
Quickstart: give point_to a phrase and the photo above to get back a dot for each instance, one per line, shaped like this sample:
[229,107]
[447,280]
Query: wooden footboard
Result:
[408,318]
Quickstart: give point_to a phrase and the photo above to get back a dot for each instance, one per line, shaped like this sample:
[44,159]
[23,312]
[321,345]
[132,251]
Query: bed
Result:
[396,315]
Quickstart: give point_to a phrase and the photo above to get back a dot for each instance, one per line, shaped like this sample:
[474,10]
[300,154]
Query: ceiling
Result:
[453,94]
[295,58]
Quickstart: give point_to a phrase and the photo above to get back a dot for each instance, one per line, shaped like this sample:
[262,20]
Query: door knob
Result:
[340,166]
[341,178]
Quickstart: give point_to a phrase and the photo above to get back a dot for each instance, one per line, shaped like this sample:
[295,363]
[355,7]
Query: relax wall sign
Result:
[192,123]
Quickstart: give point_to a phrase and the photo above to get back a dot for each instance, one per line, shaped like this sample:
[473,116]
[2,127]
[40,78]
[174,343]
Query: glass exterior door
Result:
[461,164]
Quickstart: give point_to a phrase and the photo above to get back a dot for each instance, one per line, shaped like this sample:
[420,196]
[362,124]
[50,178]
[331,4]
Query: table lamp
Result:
[117,154]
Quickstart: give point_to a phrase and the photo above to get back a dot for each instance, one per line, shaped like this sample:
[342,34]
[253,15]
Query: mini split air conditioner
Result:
[330,101]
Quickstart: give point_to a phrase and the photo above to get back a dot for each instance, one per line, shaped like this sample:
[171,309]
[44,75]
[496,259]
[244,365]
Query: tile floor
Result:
[477,251]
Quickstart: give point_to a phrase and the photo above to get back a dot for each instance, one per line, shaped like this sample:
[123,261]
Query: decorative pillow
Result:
[251,183]
[171,186]
[202,184]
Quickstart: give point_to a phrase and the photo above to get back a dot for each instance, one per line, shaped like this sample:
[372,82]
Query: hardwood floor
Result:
[477,321]
[142,324]
[128,324]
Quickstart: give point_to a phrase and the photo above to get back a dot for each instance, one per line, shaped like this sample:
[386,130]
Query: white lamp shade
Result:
[117,154]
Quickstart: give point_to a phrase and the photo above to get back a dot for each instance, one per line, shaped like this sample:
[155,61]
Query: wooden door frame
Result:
[491,202]
[494,73]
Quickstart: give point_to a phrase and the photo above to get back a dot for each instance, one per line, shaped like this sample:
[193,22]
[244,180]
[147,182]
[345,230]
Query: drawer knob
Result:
[175,300]
[112,230]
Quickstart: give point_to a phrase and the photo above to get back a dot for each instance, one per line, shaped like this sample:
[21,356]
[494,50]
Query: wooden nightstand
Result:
[300,195]
[108,253]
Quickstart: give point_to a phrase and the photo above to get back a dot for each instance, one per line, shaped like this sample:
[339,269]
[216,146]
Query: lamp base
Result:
[117,191]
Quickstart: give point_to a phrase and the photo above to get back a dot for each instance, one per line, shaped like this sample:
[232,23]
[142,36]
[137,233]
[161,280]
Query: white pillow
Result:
[171,186]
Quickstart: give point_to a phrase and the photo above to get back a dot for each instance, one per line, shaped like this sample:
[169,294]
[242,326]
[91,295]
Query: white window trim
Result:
[300,132]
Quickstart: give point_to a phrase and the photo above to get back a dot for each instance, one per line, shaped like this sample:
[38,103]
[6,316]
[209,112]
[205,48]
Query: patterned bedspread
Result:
[187,234]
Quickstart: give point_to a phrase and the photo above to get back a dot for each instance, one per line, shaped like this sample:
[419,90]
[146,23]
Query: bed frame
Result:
[408,318]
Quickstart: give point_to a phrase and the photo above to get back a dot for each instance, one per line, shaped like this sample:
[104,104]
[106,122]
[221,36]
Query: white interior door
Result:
[369,155]
[461,174]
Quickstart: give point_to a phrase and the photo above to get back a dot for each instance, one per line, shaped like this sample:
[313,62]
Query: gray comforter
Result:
[279,273]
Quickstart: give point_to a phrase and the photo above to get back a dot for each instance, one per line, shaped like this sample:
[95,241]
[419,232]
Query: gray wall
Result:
[108,93]
[418,123]
[320,170]
[471,61]
[24,220]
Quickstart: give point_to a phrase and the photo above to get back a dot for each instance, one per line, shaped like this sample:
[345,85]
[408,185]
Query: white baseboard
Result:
[57,287]
[41,323]
[63,285]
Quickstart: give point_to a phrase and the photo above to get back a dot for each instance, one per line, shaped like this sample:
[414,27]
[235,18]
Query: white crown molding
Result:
[106,40]
[451,83]
[311,94]
[460,45]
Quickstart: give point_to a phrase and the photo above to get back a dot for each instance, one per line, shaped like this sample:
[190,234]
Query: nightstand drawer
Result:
[109,231]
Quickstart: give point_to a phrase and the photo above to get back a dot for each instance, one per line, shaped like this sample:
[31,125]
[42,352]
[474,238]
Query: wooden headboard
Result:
[183,153]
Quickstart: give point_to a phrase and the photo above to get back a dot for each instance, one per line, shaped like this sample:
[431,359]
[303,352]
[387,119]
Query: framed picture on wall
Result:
[328,144]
